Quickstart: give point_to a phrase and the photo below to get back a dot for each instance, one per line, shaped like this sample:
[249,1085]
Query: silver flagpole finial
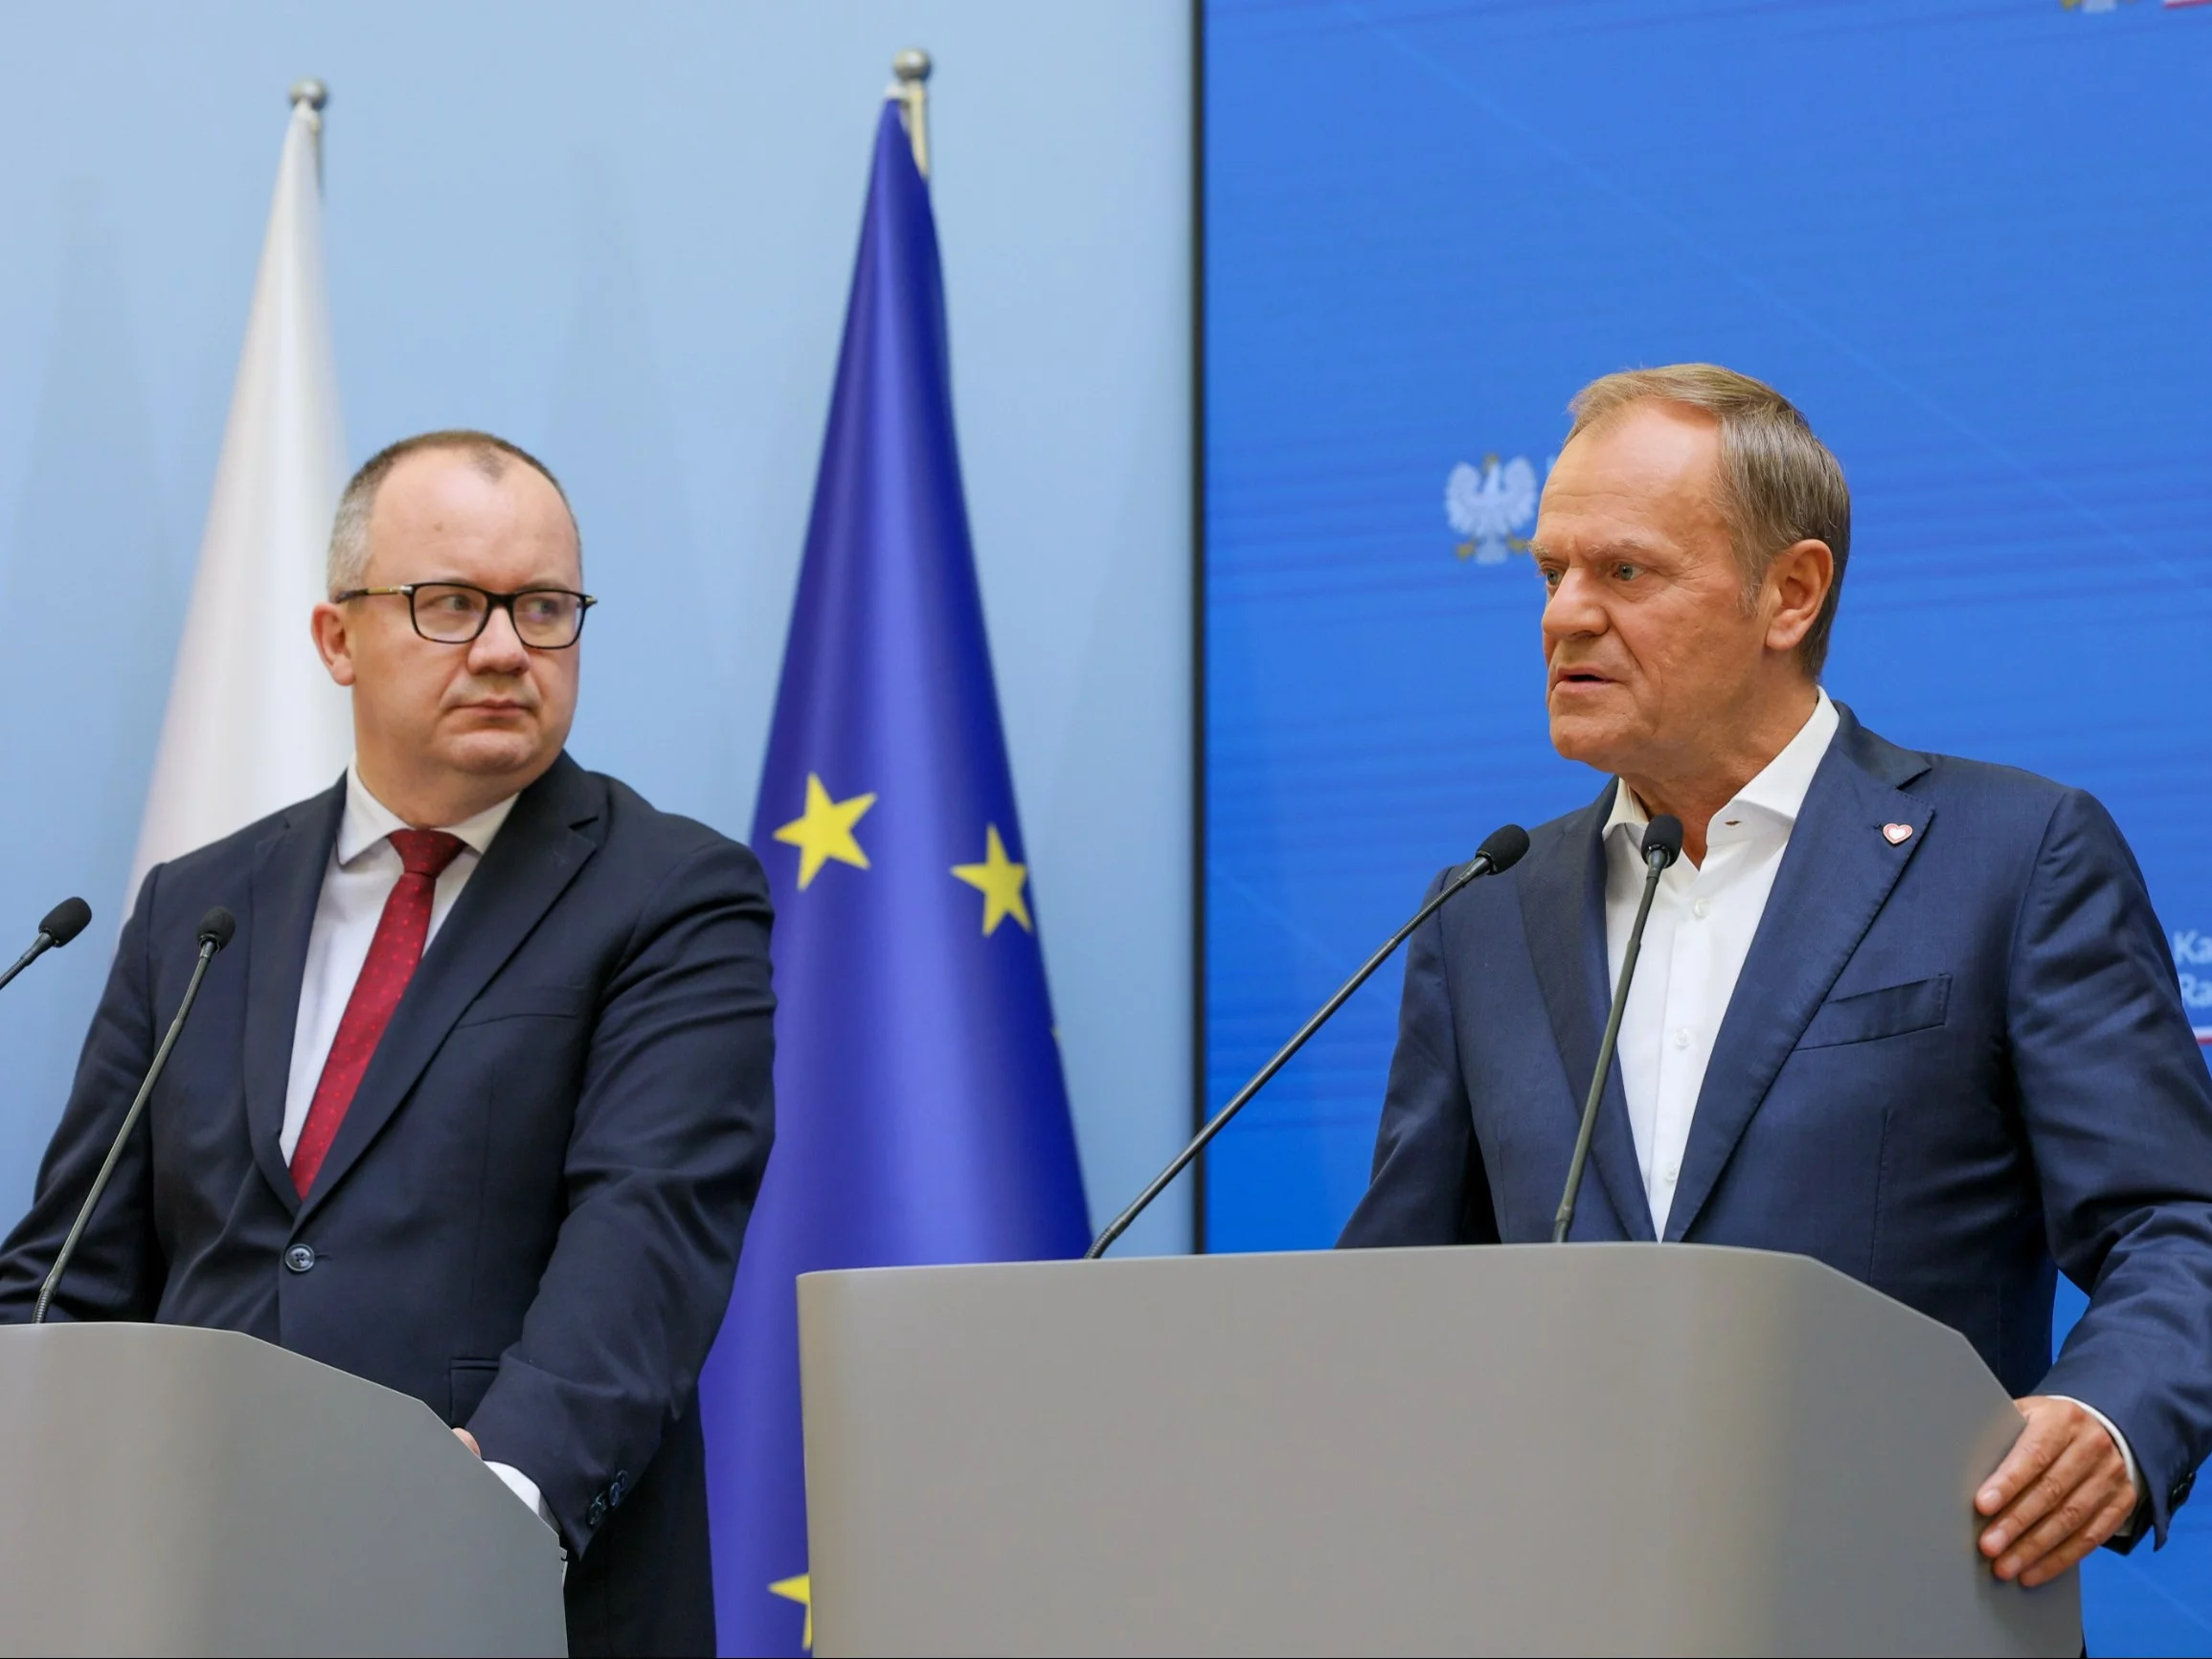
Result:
[312,93]
[910,70]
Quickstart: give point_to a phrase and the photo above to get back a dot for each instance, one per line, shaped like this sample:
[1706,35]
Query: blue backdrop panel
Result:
[1972,239]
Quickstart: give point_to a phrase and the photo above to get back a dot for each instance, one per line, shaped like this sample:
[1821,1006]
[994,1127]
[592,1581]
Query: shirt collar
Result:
[1776,795]
[367,820]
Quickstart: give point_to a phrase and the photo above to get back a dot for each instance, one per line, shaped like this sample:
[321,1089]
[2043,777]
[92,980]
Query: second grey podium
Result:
[178,1491]
[1593,1450]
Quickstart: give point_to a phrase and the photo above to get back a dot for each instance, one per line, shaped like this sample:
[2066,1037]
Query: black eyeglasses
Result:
[456,612]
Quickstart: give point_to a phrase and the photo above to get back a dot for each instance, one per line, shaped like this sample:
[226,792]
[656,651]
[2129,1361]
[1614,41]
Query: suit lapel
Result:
[285,882]
[1836,875]
[1563,915]
[536,855]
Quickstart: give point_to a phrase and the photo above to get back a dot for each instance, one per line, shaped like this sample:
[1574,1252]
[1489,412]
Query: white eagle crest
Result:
[1489,504]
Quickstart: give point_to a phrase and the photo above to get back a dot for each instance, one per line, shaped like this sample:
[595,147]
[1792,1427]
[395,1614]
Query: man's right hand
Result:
[2061,1492]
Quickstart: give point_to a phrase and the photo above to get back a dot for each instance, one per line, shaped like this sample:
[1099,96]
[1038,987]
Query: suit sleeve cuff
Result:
[2127,1456]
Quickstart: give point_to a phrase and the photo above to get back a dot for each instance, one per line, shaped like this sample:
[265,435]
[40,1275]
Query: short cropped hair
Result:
[1779,483]
[348,565]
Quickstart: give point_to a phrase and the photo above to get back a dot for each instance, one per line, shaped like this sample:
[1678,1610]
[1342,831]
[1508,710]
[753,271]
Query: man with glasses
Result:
[477,1103]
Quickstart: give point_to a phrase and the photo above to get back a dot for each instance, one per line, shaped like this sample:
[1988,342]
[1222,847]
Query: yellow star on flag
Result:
[824,831]
[800,1590]
[999,879]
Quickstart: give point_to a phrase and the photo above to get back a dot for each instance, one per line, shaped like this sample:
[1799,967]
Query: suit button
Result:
[598,1513]
[618,1488]
[300,1258]
[2181,1489]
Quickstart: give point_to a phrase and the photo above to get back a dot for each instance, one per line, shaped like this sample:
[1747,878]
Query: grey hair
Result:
[1779,483]
[346,567]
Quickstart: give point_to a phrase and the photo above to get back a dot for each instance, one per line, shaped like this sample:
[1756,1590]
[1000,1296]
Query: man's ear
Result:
[332,641]
[1797,587]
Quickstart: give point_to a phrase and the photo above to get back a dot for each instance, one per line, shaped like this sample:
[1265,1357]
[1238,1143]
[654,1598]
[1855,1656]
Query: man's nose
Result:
[498,649]
[1573,606]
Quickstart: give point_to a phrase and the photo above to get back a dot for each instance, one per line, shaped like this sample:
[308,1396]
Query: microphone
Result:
[1662,844]
[62,924]
[215,932]
[1500,852]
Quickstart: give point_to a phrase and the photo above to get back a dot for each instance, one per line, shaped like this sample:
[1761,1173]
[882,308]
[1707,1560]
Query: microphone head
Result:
[1503,848]
[216,927]
[65,921]
[1663,841]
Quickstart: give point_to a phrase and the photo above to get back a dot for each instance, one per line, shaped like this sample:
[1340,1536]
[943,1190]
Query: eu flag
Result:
[920,1112]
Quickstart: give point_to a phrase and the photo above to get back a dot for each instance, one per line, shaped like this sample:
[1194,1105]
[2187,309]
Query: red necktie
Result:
[393,956]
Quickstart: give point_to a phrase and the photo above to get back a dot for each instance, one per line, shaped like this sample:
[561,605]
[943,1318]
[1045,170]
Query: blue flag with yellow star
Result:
[920,1113]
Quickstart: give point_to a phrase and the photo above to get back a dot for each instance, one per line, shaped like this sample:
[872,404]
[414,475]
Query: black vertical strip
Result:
[1198,303]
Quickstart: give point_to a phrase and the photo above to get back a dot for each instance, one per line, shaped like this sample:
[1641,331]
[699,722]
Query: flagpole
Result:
[910,87]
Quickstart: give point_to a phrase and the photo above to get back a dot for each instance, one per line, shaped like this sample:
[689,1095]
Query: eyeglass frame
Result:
[493,602]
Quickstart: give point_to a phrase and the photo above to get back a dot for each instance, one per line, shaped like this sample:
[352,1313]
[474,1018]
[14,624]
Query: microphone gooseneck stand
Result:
[216,929]
[1500,852]
[1662,844]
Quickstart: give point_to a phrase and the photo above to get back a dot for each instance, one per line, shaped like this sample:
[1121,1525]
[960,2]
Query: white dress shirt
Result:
[1702,924]
[365,866]
[1702,918]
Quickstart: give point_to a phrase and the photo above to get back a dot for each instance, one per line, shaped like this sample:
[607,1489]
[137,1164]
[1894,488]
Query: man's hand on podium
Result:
[470,1441]
[2062,1490]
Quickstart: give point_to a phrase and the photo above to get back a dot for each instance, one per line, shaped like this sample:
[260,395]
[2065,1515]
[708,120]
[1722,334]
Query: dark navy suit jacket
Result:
[531,1217]
[1948,1064]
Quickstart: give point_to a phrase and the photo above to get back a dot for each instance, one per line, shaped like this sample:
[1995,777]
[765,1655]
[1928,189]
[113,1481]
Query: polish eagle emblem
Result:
[1489,505]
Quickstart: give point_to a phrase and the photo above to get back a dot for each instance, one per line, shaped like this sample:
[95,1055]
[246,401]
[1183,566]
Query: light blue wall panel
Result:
[621,235]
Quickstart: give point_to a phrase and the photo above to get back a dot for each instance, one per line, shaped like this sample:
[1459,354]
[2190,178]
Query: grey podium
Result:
[178,1491]
[1608,1448]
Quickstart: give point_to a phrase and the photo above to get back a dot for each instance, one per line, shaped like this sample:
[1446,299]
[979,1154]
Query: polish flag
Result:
[254,721]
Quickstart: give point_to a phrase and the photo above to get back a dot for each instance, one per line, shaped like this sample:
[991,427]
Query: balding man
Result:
[1908,1015]
[477,1103]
